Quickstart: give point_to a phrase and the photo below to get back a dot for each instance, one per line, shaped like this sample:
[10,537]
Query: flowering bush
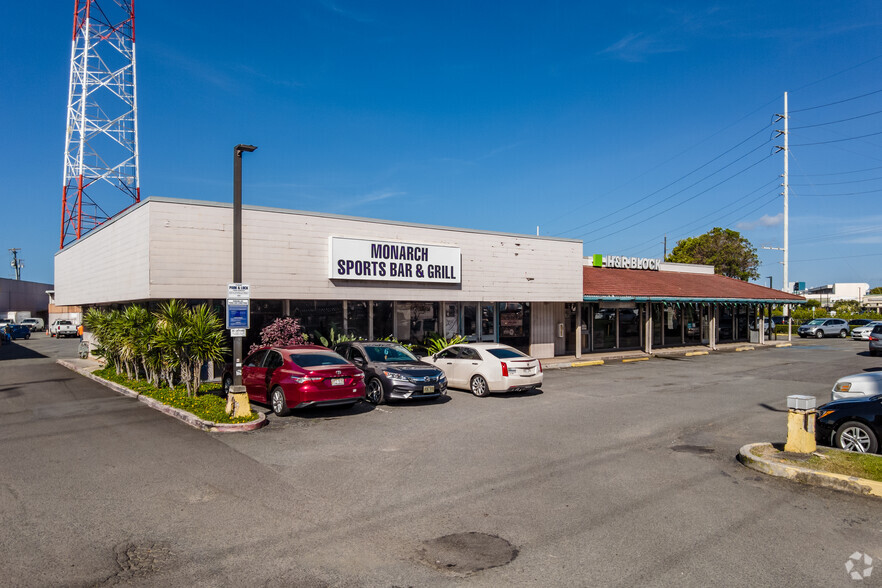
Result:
[279,333]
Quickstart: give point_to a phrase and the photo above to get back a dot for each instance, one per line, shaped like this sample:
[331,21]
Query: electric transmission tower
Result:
[101,140]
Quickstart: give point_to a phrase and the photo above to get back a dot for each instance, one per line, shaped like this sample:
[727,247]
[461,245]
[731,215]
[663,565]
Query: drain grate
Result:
[466,553]
[697,449]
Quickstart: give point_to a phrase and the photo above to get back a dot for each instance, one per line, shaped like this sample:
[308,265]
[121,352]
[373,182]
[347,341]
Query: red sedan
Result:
[299,376]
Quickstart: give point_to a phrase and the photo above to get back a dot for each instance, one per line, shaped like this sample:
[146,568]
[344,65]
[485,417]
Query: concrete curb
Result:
[181,415]
[806,476]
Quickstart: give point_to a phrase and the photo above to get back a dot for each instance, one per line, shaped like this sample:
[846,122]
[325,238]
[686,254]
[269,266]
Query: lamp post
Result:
[237,401]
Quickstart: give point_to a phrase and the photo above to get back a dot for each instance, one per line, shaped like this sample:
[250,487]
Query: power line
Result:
[833,122]
[684,201]
[842,194]
[837,102]
[837,140]
[606,217]
[839,183]
[856,171]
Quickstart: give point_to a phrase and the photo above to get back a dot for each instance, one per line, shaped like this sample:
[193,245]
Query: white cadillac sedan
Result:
[487,367]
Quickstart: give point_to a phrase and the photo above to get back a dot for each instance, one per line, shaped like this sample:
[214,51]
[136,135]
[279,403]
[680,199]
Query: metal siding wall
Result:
[542,335]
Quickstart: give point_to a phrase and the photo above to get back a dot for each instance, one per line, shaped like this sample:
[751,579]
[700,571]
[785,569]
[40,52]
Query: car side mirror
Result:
[358,361]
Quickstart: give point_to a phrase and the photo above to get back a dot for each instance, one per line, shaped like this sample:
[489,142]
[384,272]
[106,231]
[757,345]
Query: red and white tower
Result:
[101,141]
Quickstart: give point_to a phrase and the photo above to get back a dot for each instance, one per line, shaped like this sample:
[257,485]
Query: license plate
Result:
[428,389]
[337,381]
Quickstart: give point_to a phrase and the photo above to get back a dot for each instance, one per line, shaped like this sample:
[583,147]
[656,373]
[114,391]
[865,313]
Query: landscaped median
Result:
[833,468]
[205,411]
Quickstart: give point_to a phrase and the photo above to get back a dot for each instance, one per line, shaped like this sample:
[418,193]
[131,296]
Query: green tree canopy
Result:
[731,254]
[876,290]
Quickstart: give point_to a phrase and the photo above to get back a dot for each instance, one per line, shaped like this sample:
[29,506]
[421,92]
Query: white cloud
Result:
[764,221]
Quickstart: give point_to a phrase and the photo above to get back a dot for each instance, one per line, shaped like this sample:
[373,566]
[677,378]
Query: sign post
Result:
[238,321]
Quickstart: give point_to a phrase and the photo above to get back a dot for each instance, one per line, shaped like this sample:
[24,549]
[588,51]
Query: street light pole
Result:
[237,403]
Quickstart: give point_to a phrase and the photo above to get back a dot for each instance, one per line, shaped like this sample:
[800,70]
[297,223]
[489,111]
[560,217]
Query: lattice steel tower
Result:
[101,142]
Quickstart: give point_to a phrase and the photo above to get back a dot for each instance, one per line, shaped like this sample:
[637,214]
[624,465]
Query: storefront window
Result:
[657,324]
[742,324]
[692,319]
[605,328]
[383,323]
[488,322]
[414,321]
[318,316]
[470,321]
[514,324]
[673,326]
[725,330]
[357,318]
[629,328]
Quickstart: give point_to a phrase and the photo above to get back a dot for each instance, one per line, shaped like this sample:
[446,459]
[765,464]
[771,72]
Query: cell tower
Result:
[101,141]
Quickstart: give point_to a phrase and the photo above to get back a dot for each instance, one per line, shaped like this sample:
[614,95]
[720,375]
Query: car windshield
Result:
[63,322]
[316,359]
[816,322]
[384,353]
[503,353]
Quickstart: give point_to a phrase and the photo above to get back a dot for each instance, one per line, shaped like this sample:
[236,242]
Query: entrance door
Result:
[470,321]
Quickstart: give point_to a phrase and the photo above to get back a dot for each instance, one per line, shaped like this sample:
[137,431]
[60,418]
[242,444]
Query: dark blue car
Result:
[18,331]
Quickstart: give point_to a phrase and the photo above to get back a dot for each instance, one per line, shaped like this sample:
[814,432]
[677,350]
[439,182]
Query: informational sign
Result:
[624,262]
[238,291]
[364,259]
[238,332]
[238,315]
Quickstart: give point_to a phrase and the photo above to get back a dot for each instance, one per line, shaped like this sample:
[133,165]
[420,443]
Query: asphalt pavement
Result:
[613,475]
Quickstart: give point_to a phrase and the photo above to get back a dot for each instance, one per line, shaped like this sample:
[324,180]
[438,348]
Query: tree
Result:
[876,290]
[731,254]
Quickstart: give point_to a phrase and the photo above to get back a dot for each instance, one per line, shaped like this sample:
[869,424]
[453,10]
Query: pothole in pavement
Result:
[466,553]
[696,449]
[136,561]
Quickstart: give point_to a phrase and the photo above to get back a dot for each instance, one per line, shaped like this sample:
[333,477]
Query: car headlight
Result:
[825,413]
[442,377]
[842,387]
[396,376]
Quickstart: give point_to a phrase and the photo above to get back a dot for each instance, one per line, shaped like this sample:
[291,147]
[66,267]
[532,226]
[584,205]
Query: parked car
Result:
[34,324]
[488,367]
[298,376]
[862,332]
[18,331]
[63,328]
[859,322]
[854,424]
[824,327]
[875,339]
[857,386]
[393,372]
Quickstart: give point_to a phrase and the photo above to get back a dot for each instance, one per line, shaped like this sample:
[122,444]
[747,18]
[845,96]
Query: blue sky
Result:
[618,123]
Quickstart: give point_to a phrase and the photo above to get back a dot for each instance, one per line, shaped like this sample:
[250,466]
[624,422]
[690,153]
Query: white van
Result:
[34,324]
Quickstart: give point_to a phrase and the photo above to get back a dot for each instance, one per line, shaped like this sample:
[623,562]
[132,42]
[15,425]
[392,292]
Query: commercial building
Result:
[375,278]
[830,294]
[20,296]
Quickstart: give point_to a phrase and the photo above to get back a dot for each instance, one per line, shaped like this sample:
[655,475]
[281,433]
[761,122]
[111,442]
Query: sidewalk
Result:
[566,361]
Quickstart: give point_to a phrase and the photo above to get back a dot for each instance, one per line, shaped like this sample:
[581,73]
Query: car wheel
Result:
[374,392]
[819,334]
[280,405]
[27,336]
[855,436]
[479,387]
[843,334]
[228,383]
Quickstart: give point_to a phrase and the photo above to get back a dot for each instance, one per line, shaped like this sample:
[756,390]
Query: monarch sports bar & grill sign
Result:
[624,262]
[386,261]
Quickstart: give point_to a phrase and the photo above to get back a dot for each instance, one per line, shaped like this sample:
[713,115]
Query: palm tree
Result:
[207,342]
[172,340]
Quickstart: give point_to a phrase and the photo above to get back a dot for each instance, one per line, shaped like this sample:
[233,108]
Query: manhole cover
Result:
[467,553]
[698,449]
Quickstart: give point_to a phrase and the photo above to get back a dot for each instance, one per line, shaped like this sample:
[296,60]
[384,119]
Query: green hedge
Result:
[208,404]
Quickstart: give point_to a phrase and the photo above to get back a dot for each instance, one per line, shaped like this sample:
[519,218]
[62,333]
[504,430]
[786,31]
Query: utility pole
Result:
[666,249]
[786,194]
[17,263]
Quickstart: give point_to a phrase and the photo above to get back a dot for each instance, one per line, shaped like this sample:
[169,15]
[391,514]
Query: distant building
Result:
[872,303]
[23,296]
[830,294]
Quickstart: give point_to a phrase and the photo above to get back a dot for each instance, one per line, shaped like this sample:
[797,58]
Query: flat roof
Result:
[599,284]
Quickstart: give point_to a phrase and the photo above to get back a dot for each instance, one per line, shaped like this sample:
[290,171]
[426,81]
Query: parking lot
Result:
[619,475]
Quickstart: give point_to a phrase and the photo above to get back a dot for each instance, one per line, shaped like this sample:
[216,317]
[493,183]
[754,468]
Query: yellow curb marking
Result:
[691,353]
[784,345]
[635,359]
[744,349]
[584,363]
